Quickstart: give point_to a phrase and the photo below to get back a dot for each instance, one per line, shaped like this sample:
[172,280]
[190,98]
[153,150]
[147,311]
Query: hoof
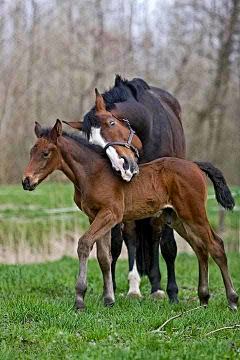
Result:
[174,300]
[80,306]
[204,303]
[158,294]
[233,307]
[135,295]
[108,302]
[81,309]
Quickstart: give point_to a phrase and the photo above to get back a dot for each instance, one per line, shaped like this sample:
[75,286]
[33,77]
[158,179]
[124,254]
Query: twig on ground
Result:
[223,328]
[177,316]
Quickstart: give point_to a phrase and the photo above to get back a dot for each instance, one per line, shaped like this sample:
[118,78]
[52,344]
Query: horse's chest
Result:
[85,206]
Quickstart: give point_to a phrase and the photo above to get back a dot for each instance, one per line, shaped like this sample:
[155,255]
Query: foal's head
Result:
[44,156]
[116,137]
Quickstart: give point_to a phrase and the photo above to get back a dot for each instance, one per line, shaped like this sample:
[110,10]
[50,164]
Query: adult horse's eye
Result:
[45,154]
[112,123]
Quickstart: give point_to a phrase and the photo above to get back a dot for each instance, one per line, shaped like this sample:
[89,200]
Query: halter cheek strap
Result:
[128,143]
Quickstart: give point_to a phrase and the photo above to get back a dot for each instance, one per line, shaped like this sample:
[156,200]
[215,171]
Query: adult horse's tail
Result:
[222,191]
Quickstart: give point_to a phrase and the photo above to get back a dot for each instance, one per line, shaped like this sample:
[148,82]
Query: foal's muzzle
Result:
[27,185]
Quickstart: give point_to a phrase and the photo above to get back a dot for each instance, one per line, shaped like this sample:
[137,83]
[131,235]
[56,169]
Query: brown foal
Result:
[169,190]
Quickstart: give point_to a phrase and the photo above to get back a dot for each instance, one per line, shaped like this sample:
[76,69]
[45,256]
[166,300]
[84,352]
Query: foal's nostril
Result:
[27,180]
[26,183]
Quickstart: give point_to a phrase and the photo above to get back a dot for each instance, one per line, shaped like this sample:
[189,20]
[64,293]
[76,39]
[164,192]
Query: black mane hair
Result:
[77,138]
[122,91]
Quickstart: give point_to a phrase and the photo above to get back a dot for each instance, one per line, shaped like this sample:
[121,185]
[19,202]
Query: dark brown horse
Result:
[167,190]
[155,115]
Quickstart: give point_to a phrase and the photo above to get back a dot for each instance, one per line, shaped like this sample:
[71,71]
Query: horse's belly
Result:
[141,210]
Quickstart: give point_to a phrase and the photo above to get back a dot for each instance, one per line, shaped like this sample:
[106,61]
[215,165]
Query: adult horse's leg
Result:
[154,271]
[116,247]
[130,239]
[148,253]
[217,251]
[104,259]
[169,253]
[102,224]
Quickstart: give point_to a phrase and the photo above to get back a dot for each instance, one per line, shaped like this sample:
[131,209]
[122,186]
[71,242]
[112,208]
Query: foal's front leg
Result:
[104,259]
[102,224]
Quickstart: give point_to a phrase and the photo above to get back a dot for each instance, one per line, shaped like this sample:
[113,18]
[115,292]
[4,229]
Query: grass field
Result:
[38,320]
[32,218]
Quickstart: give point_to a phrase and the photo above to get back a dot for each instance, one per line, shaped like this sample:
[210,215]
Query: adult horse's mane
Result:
[122,91]
[77,138]
[119,92]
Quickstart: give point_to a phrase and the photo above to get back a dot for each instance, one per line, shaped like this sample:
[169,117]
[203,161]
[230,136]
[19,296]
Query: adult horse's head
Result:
[44,156]
[116,136]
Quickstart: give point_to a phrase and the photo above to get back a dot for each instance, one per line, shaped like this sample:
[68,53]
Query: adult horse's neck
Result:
[158,127]
[78,160]
[139,116]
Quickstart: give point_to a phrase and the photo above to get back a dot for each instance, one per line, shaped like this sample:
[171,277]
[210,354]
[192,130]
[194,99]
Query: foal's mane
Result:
[122,91]
[80,140]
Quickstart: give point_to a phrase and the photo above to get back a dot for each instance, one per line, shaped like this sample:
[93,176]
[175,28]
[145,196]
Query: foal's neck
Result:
[79,161]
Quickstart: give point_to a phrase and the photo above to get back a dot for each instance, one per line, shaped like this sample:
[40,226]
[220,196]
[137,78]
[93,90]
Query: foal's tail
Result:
[222,191]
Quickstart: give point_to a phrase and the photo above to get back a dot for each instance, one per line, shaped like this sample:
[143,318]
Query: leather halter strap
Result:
[128,143]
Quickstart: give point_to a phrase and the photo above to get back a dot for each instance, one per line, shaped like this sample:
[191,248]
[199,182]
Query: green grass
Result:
[38,319]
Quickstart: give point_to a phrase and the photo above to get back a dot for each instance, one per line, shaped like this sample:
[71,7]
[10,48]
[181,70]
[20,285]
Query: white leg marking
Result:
[158,294]
[134,282]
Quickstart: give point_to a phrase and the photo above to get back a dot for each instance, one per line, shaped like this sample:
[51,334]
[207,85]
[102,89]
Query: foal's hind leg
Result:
[197,239]
[104,259]
[216,249]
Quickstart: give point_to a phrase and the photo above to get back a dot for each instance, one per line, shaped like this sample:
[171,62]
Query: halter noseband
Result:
[128,143]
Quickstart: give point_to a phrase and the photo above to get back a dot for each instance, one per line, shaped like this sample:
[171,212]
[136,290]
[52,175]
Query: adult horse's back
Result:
[155,116]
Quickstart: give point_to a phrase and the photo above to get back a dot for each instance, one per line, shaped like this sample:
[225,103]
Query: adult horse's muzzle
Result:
[128,169]
[28,185]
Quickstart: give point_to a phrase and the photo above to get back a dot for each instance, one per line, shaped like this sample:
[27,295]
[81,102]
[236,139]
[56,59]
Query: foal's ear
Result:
[56,131]
[74,124]
[100,105]
[37,129]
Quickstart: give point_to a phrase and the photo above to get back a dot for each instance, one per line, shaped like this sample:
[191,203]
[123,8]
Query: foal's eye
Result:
[112,123]
[45,154]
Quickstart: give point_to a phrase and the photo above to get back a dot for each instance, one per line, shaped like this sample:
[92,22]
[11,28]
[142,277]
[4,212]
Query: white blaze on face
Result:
[117,162]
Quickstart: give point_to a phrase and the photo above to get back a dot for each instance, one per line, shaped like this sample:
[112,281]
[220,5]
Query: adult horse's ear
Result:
[74,124]
[100,105]
[37,129]
[56,131]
